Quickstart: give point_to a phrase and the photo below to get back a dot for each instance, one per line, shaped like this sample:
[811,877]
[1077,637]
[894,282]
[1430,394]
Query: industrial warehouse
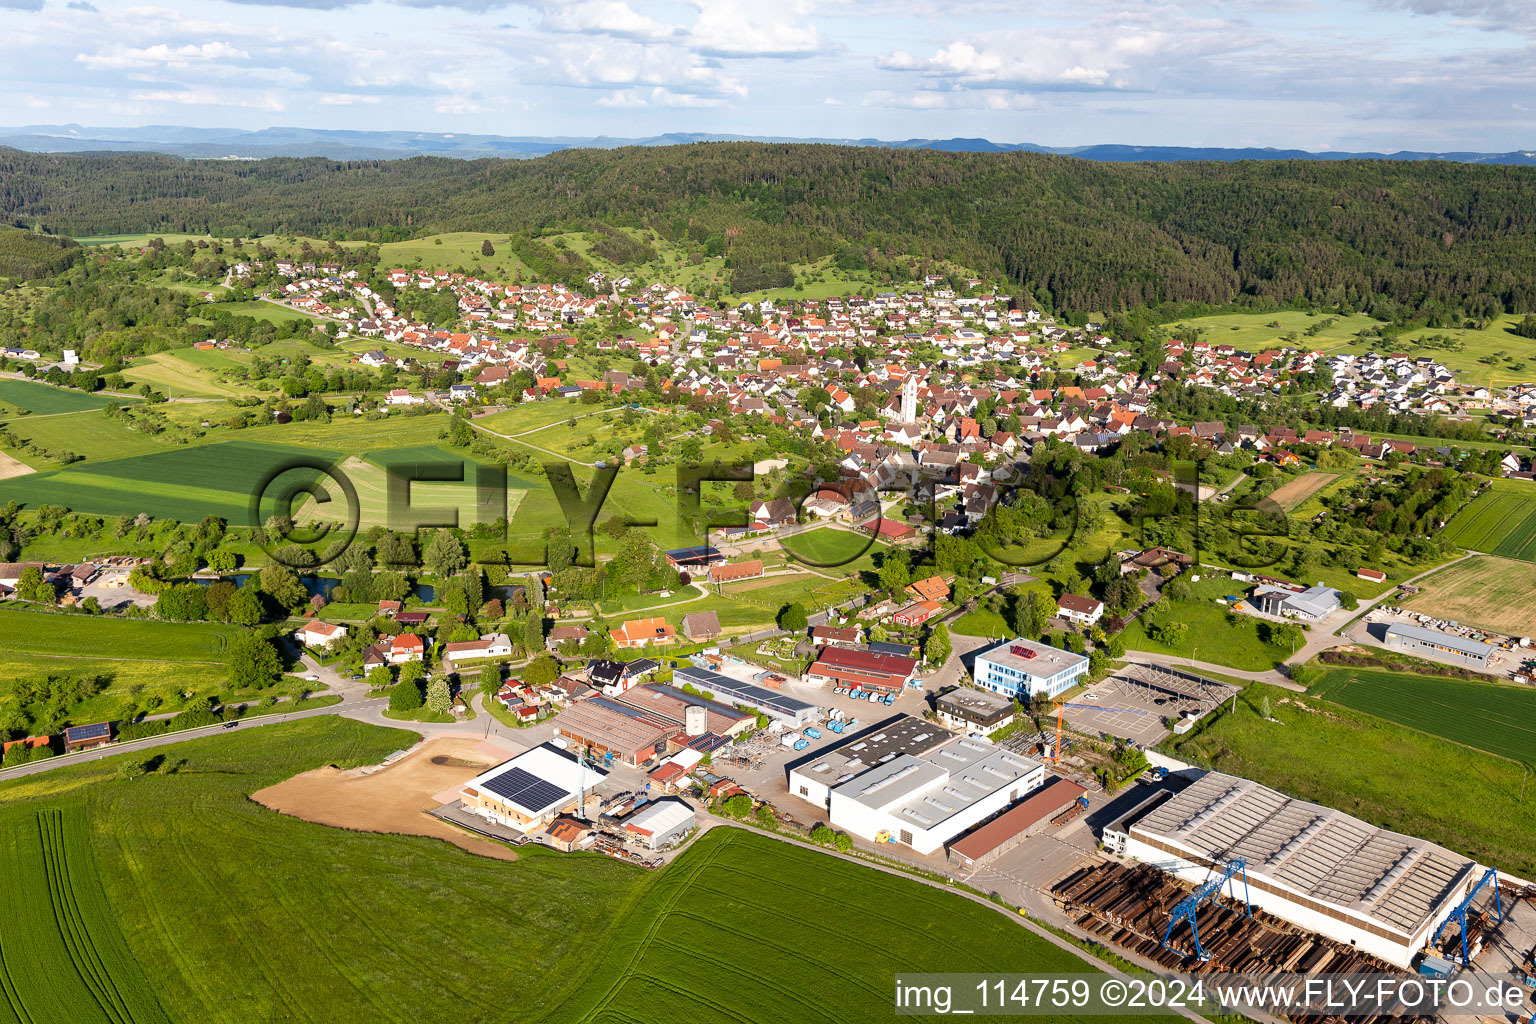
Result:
[1321,869]
[913,783]
[772,703]
[638,725]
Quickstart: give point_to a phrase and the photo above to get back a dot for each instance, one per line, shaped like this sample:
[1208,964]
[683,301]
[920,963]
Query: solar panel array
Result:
[526,790]
[747,693]
[88,732]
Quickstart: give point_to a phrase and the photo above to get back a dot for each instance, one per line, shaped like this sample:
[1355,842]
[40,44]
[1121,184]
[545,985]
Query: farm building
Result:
[1371,575]
[1440,646]
[1022,668]
[772,703]
[660,822]
[491,645]
[699,556]
[1319,868]
[531,790]
[917,613]
[732,572]
[1013,826]
[969,708]
[925,801]
[84,737]
[840,666]
[699,626]
[671,704]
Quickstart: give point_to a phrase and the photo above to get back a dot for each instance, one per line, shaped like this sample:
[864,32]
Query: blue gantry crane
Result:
[1187,906]
[1459,915]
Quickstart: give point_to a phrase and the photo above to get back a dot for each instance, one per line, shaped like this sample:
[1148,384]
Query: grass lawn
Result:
[834,551]
[1482,591]
[1251,331]
[1210,637]
[1495,717]
[261,309]
[179,377]
[46,400]
[1388,774]
[1500,522]
[177,870]
[91,434]
[458,249]
[981,622]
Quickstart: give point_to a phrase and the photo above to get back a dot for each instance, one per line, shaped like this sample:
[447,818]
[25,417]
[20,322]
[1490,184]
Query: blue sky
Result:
[1341,74]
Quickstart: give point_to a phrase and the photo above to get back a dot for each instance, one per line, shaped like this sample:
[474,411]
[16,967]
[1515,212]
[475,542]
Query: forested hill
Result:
[1076,235]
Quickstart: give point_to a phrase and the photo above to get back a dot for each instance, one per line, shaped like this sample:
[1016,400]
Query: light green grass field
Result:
[1494,717]
[183,483]
[193,873]
[1251,331]
[1395,777]
[178,376]
[1499,522]
[260,309]
[458,249]
[88,637]
[91,434]
[1210,636]
[46,400]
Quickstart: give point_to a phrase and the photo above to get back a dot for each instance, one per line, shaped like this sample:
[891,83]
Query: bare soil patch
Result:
[1486,591]
[11,466]
[1294,492]
[393,799]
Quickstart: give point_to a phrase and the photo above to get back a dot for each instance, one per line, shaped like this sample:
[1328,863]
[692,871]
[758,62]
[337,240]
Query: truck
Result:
[812,733]
[802,744]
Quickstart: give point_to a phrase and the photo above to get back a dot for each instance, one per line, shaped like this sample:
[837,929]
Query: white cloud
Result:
[212,98]
[161,55]
[632,99]
[605,17]
[346,99]
[750,28]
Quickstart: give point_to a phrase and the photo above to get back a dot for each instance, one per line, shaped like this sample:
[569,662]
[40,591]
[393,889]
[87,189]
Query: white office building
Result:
[1023,668]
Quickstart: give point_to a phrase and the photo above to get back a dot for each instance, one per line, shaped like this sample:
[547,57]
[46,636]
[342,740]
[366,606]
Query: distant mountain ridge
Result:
[342,144]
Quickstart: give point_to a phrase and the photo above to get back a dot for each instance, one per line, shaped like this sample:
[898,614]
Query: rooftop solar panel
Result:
[526,789]
[87,732]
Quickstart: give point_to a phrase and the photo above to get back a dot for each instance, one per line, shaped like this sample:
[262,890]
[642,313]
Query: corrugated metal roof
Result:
[1318,851]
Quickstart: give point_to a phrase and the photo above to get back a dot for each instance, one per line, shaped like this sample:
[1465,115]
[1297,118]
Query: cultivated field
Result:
[1394,776]
[437,500]
[55,634]
[62,953]
[45,399]
[1298,489]
[1496,717]
[1500,522]
[195,874]
[178,376]
[182,483]
[1484,590]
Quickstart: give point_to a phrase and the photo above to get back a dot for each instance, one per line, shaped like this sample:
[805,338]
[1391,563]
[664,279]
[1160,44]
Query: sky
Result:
[1313,74]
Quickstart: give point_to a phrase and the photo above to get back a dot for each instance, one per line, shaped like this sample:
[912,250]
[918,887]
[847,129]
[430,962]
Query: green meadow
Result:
[174,896]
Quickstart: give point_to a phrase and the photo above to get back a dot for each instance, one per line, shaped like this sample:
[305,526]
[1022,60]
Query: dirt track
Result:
[393,799]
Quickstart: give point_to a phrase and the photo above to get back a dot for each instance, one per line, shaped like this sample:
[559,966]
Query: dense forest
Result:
[26,255]
[1388,237]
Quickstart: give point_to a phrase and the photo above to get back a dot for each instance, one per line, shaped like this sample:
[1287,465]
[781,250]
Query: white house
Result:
[400,396]
[492,645]
[320,634]
[1083,610]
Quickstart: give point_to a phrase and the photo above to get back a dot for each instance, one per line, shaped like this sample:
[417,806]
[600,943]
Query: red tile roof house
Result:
[320,635]
[407,647]
[917,613]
